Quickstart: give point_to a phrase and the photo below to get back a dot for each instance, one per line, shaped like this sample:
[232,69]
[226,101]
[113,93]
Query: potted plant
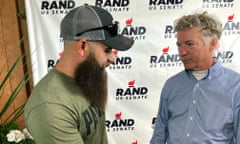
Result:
[9,131]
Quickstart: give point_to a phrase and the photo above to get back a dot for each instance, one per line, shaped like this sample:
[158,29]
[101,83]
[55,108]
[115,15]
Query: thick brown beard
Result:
[92,79]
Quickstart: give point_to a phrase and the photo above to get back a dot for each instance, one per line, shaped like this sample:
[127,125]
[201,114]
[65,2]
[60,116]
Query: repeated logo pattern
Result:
[137,76]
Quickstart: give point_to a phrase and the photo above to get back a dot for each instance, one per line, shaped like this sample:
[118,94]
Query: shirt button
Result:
[191,118]
[188,135]
[194,102]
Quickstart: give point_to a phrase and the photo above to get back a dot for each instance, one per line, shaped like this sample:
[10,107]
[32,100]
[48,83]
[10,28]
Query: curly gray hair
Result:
[209,26]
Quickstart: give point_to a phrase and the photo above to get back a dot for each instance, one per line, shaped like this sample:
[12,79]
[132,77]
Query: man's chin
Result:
[188,67]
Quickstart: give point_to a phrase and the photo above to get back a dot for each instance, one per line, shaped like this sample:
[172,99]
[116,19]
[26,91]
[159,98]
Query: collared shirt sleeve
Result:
[160,132]
[236,111]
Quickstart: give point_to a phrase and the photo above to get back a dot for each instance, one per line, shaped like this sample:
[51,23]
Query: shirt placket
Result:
[190,124]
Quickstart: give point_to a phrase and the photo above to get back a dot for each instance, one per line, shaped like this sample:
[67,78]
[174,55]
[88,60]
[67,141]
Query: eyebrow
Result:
[185,42]
[107,49]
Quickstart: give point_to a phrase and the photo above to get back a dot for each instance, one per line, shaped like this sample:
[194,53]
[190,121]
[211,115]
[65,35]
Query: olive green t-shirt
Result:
[57,113]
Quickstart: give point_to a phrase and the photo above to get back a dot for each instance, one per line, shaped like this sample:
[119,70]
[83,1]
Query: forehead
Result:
[189,34]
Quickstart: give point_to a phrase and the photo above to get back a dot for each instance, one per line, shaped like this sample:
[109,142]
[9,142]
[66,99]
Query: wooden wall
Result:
[12,29]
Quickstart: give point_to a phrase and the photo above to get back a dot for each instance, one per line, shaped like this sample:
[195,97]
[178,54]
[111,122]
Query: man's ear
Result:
[214,44]
[82,47]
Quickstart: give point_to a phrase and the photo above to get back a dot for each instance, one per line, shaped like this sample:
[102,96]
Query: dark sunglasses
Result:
[111,28]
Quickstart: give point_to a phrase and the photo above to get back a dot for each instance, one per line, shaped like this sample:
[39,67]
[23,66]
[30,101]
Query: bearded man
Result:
[67,106]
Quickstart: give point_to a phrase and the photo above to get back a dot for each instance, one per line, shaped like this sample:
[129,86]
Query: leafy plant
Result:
[9,128]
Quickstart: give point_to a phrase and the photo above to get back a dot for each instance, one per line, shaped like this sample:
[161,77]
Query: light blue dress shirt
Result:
[199,112]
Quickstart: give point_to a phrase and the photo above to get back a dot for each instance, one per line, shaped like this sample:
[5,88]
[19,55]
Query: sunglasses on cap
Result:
[111,28]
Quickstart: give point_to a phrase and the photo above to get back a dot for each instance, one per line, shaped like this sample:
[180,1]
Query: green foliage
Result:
[10,122]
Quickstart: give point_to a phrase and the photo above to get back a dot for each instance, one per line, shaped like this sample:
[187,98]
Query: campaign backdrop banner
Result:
[136,78]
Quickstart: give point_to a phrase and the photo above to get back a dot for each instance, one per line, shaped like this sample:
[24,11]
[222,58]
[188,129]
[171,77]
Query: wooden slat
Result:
[10,36]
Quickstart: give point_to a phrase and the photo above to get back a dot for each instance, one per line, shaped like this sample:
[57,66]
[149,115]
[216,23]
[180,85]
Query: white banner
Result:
[137,77]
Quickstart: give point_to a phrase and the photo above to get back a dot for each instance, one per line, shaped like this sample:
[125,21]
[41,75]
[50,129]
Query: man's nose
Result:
[182,51]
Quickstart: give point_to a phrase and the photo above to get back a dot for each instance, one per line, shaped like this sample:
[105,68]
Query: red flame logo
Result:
[118,115]
[129,21]
[136,142]
[60,54]
[165,50]
[115,52]
[231,17]
[131,83]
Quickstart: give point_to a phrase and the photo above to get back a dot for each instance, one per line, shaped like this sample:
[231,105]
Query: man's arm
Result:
[160,132]
[237,116]
[53,123]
